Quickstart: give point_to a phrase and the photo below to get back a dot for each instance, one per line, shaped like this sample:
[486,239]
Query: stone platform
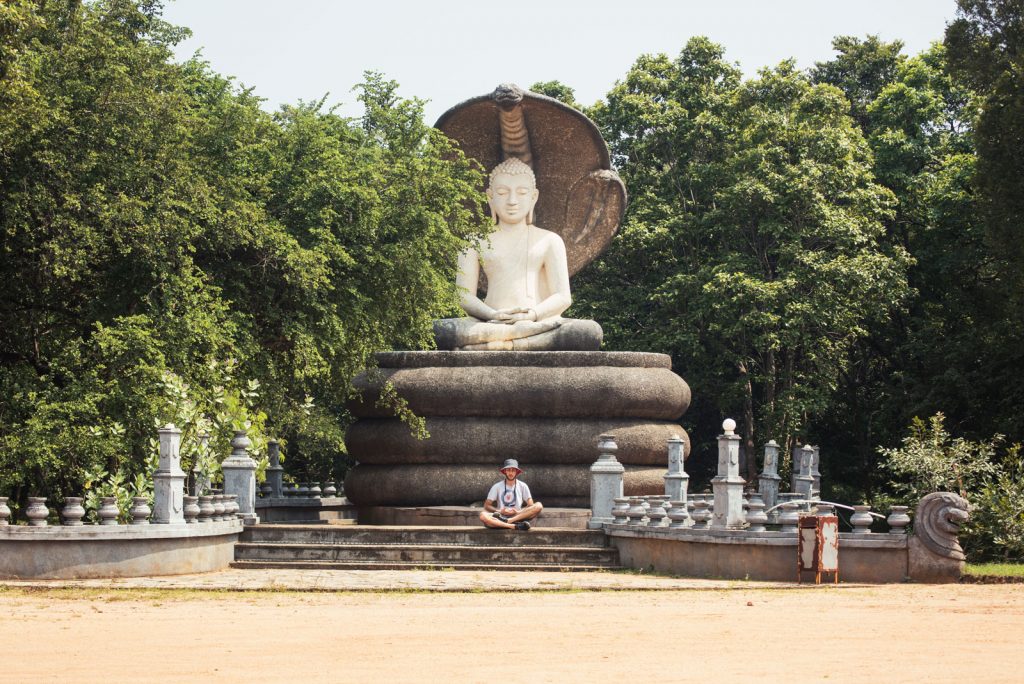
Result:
[545,409]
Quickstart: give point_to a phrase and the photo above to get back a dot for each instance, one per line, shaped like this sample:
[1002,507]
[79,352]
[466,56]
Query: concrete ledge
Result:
[738,554]
[92,551]
[288,509]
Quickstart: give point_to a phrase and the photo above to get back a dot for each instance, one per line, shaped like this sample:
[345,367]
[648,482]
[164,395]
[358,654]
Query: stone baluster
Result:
[303,490]
[816,473]
[169,480]
[825,509]
[191,509]
[218,508]
[898,519]
[606,475]
[316,491]
[330,491]
[728,485]
[108,511]
[677,482]
[140,510]
[206,509]
[701,515]
[619,510]
[789,517]
[275,472]
[756,517]
[636,512]
[861,519]
[804,481]
[678,516]
[768,481]
[73,511]
[36,512]
[656,511]
[5,511]
[240,477]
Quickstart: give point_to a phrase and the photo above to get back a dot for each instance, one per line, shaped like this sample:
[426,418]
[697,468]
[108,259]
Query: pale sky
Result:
[446,52]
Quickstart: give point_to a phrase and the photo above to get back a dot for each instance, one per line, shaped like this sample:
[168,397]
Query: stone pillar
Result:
[804,481]
[169,480]
[768,481]
[605,482]
[676,479]
[240,477]
[816,473]
[728,485]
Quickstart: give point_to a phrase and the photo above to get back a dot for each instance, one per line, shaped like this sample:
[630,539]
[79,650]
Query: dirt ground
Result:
[895,633]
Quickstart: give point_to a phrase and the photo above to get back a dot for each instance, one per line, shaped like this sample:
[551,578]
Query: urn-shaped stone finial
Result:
[789,518]
[191,510]
[861,519]
[619,510]
[140,510]
[218,507]
[656,511]
[677,515]
[756,517]
[636,512]
[36,511]
[73,511]
[5,512]
[898,519]
[108,511]
[206,509]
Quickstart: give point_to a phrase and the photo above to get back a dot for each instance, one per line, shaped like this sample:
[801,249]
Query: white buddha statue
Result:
[527,279]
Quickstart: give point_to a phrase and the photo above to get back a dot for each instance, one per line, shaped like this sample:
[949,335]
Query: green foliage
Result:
[996,528]
[986,51]
[557,90]
[751,248]
[931,460]
[989,476]
[154,221]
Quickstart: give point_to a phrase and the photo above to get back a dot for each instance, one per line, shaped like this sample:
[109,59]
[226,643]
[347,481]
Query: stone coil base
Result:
[440,485]
[545,409]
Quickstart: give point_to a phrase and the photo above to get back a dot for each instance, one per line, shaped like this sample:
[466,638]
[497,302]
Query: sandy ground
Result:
[895,633]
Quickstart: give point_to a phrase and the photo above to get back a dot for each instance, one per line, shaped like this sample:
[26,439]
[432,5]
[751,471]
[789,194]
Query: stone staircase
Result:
[377,547]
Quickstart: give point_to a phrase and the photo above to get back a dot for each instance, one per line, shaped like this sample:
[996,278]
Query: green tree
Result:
[986,51]
[751,249]
[153,218]
[557,90]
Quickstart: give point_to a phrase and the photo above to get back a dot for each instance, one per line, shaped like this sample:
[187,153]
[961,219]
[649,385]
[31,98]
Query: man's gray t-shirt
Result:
[515,496]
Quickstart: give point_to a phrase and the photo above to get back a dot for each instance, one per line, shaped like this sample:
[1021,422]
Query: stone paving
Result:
[403,580]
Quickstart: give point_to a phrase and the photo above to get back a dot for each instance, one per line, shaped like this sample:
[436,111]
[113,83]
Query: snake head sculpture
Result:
[937,523]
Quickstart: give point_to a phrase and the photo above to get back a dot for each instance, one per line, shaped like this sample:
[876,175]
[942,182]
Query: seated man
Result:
[527,280]
[509,504]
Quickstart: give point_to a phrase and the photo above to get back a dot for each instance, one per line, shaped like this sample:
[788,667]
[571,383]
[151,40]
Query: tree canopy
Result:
[154,219]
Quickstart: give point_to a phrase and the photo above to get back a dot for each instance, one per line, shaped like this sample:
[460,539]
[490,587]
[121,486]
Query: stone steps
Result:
[367,565]
[380,547]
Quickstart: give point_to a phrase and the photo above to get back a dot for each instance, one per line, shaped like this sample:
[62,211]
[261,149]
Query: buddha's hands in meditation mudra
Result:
[527,279]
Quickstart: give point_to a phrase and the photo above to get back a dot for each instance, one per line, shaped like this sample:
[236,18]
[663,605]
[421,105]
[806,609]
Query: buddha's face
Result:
[512,197]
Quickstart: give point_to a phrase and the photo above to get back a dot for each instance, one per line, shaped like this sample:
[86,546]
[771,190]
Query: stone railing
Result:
[178,534]
[733,517]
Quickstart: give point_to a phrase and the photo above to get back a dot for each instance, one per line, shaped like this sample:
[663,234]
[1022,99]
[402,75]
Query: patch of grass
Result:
[995,569]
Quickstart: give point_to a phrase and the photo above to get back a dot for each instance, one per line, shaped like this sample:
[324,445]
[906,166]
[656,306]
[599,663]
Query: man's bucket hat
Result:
[510,463]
